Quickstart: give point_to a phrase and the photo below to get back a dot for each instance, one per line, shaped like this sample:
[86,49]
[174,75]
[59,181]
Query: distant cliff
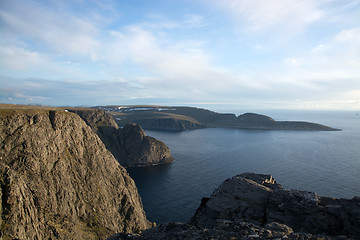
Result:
[253,206]
[187,118]
[58,181]
[129,145]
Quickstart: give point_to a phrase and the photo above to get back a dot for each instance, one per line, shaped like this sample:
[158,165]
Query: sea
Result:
[325,162]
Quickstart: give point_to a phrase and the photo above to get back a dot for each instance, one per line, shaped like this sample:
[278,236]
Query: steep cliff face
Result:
[58,180]
[142,150]
[130,146]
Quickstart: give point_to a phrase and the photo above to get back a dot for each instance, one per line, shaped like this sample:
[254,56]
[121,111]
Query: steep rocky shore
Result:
[58,181]
[129,145]
[254,206]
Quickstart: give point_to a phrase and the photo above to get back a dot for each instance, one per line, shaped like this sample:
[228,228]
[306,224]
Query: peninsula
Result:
[187,118]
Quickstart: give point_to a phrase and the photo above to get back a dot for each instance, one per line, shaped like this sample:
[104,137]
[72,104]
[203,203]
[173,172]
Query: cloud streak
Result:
[253,52]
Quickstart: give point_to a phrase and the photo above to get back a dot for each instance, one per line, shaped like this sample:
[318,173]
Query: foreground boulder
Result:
[58,181]
[129,145]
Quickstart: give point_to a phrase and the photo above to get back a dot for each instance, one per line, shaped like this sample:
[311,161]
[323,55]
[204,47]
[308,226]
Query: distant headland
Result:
[169,118]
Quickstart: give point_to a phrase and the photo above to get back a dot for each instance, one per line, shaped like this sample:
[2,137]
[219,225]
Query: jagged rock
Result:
[231,230]
[253,206]
[58,181]
[258,199]
[129,145]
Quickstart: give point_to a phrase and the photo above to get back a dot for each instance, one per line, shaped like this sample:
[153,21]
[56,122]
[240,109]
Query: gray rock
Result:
[237,197]
[258,199]
[142,150]
[58,181]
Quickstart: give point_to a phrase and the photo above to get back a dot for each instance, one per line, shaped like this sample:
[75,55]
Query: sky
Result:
[244,54]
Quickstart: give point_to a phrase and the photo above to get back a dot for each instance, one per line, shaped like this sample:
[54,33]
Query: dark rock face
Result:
[142,150]
[258,199]
[58,181]
[224,230]
[129,145]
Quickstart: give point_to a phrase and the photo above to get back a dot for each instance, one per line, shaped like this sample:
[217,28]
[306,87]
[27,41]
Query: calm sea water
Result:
[327,163]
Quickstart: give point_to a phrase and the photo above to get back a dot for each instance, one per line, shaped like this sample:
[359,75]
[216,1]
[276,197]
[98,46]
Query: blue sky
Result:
[243,54]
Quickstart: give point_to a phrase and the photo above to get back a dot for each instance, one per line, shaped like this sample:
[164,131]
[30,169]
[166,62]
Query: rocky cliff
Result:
[254,206]
[130,146]
[259,200]
[58,181]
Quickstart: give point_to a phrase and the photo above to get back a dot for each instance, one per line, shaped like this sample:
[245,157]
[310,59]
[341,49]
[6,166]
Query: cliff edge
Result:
[58,181]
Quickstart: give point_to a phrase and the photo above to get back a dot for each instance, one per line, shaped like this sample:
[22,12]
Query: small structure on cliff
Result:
[254,206]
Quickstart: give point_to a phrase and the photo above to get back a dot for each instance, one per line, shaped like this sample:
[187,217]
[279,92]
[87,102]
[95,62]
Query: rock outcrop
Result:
[259,200]
[224,230]
[58,181]
[254,206]
[129,145]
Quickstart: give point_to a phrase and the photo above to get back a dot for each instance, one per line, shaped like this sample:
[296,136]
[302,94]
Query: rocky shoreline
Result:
[254,206]
[59,179]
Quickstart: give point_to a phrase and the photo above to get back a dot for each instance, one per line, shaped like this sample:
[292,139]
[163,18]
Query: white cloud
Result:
[293,62]
[348,36]
[320,47]
[63,32]
[20,59]
[49,91]
[331,61]
[262,15]
[194,20]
